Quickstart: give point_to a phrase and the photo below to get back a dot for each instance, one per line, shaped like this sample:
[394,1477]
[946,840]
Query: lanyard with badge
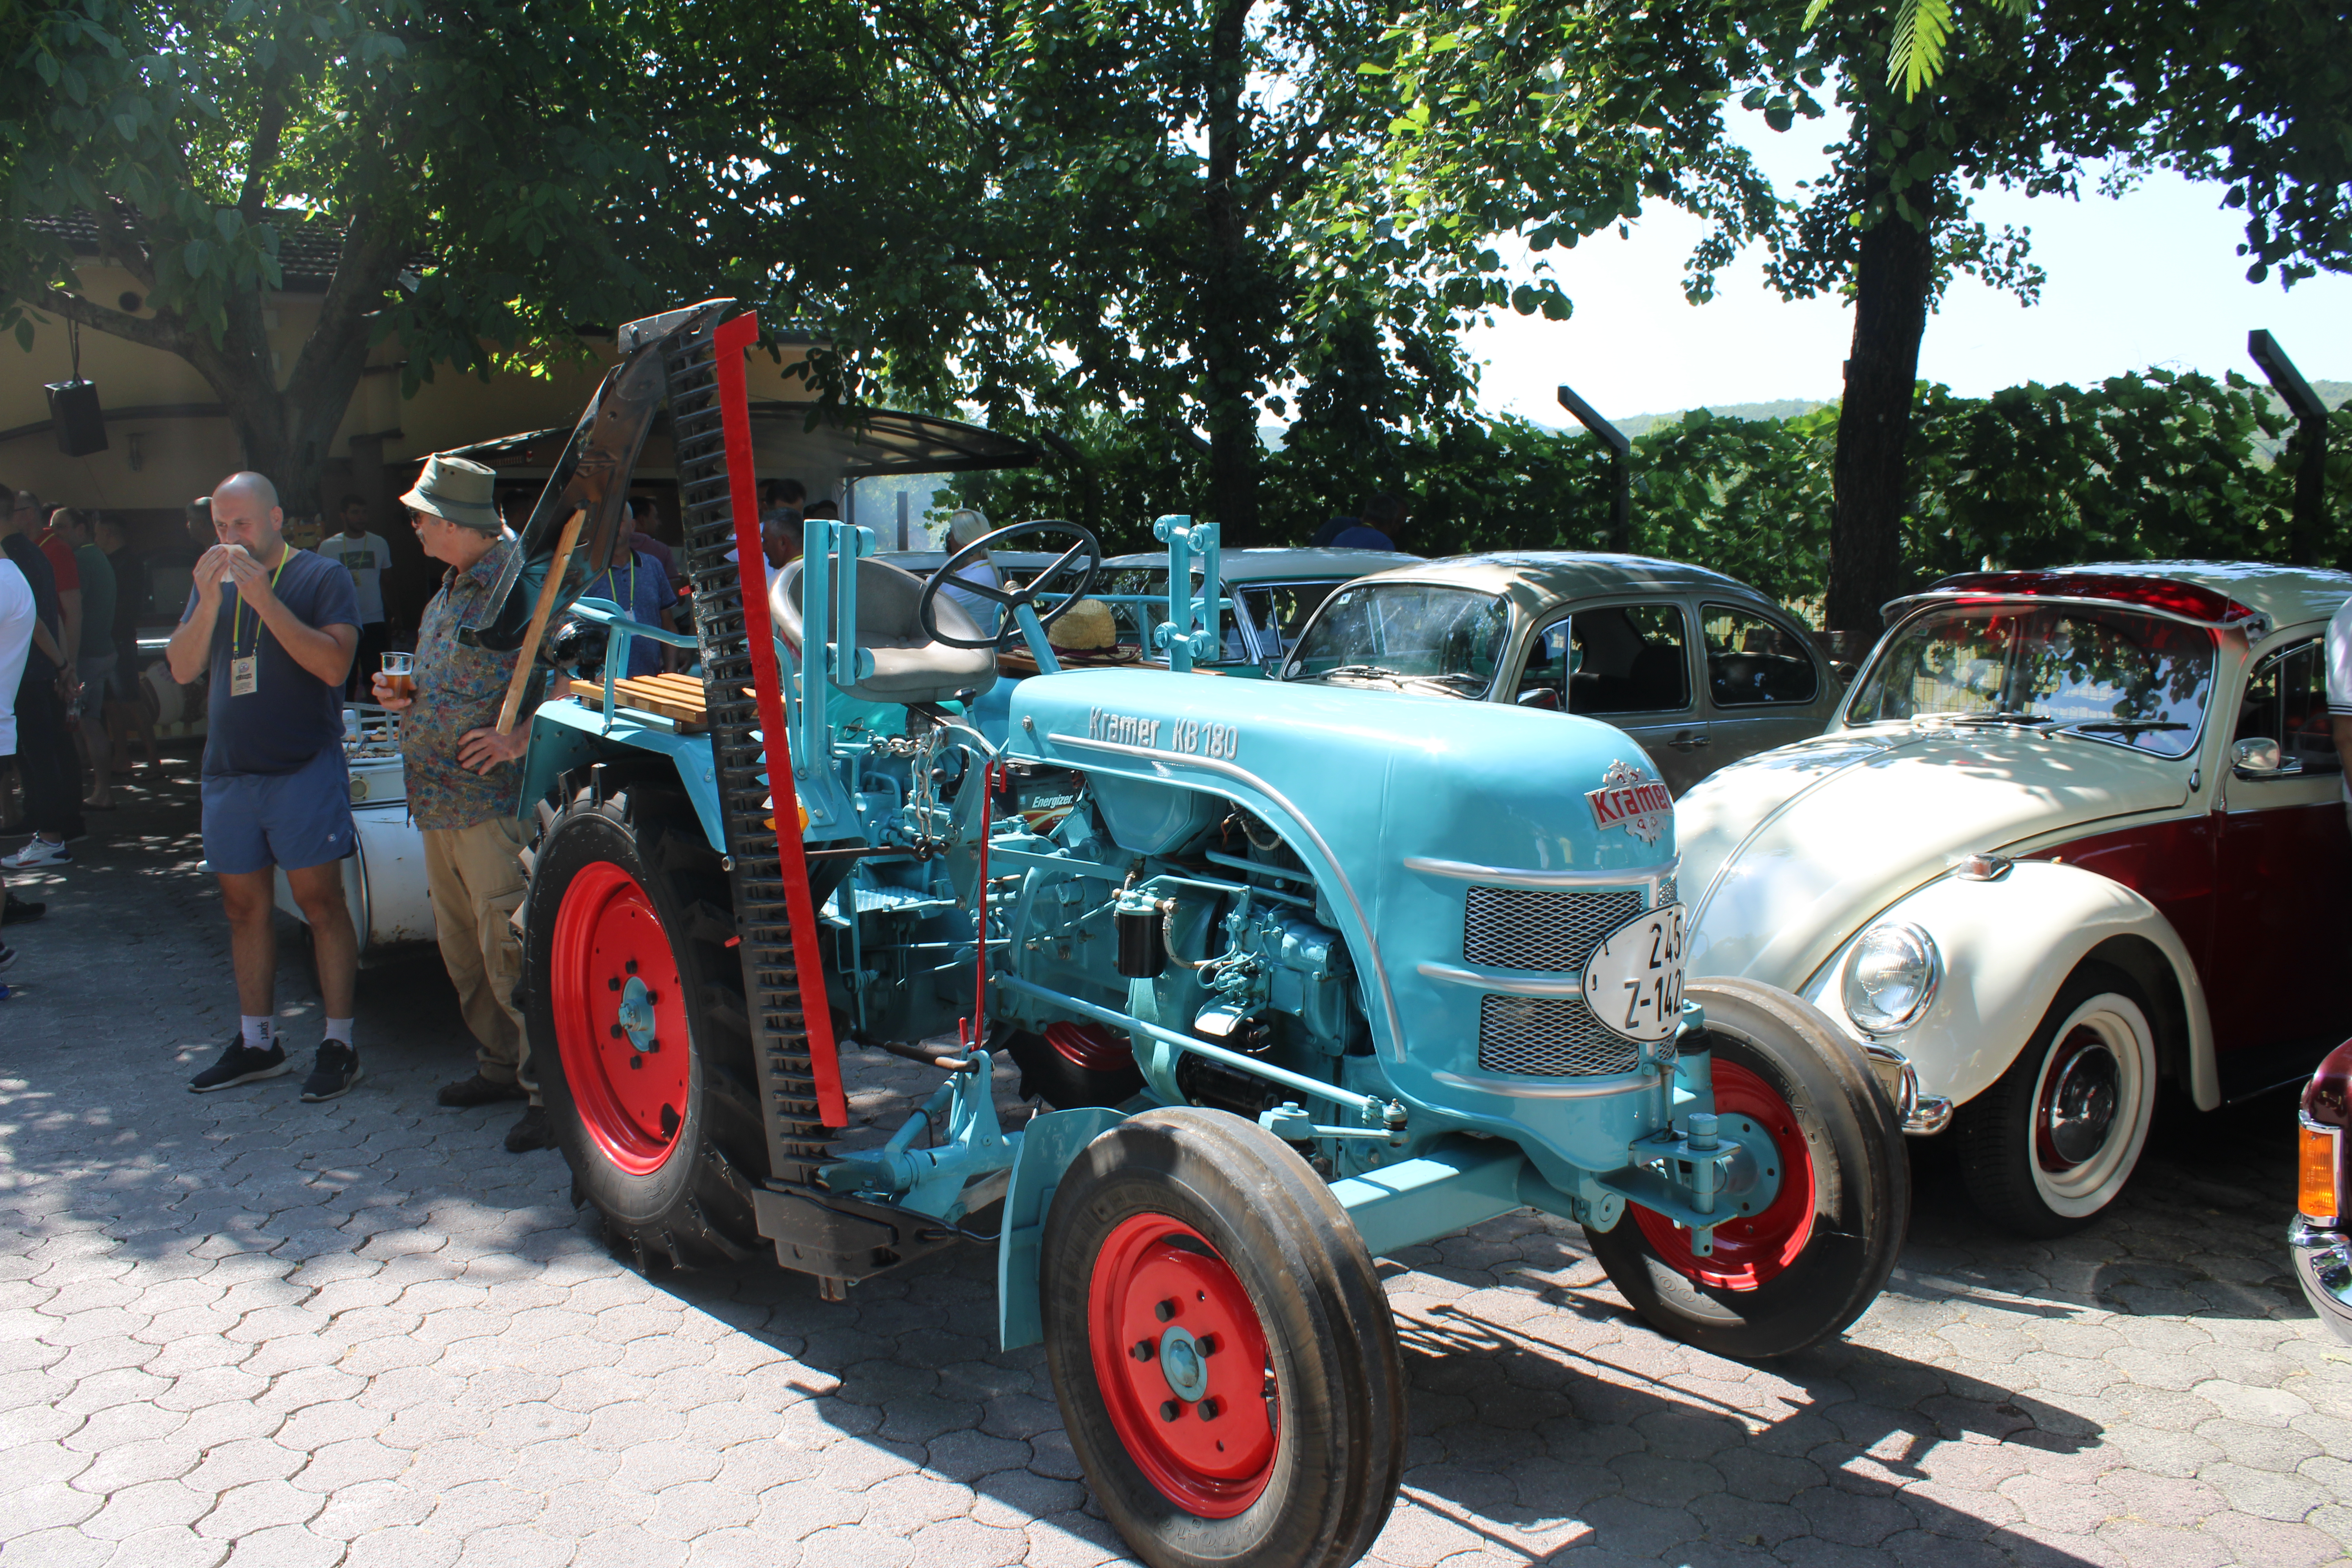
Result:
[244,672]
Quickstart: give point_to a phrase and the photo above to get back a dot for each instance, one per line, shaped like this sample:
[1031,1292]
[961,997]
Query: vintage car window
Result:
[1753,661]
[1629,658]
[1413,634]
[2115,675]
[1282,609]
[2286,702]
[1124,586]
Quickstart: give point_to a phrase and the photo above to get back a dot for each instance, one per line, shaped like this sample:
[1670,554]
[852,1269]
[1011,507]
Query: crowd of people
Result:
[71,591]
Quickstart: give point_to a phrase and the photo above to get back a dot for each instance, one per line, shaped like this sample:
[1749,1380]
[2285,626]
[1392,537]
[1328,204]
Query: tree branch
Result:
[153,334]
[266,138]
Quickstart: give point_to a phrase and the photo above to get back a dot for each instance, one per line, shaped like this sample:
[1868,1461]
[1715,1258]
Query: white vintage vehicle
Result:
[2075,835]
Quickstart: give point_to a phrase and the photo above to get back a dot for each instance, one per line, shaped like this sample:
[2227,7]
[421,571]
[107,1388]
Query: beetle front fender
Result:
[2006,946]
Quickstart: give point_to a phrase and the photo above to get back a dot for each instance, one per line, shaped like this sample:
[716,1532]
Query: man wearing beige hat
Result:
[465,785]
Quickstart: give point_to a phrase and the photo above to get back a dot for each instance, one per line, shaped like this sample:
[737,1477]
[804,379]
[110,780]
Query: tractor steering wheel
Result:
[1013,599]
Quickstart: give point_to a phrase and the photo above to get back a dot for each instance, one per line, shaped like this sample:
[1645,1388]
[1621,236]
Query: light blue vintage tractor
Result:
[1300,976]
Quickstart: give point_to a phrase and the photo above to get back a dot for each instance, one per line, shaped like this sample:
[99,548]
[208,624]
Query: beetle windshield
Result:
[2114,675]
[1405,634]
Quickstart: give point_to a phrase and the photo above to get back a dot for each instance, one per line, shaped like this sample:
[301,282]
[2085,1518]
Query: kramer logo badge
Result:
[1630,799]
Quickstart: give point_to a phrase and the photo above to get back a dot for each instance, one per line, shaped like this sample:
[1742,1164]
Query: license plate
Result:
[1633,983]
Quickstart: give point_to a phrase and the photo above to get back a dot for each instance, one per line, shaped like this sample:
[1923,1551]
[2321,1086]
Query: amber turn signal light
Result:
[2315,1173]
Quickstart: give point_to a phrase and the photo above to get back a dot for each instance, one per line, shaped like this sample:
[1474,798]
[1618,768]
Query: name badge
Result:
[245,676]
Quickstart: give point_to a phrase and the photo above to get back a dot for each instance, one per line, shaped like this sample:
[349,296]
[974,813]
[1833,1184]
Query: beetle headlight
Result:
[1891,977]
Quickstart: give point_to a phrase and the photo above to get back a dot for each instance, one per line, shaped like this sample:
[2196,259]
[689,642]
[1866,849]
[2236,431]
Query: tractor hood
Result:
[1788,853]
[1378,777]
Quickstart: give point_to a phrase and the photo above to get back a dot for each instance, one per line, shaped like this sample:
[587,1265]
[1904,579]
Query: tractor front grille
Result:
[1549,1036]
[1668,893]
[1527,927]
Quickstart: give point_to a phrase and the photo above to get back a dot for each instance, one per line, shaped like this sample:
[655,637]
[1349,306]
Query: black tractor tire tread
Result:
[710,1222]
[1282,1221]
[1862,1182]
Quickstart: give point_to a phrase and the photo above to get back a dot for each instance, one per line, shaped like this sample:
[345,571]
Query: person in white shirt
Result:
[365,556]
[2340,693]
[16,623]
[968,525]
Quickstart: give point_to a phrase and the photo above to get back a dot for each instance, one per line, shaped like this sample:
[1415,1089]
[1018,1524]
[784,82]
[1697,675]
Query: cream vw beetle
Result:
[2076,835]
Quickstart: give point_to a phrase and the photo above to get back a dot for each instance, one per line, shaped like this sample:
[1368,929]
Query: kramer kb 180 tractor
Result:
[1303,976]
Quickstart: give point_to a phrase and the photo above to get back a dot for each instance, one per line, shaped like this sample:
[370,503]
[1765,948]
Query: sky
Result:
[2153,279]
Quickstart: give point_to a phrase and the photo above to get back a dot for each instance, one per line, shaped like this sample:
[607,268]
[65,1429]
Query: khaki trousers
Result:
[476,882]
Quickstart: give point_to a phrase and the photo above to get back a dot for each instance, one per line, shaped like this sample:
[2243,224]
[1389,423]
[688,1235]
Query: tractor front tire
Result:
[1225,1361]
[636,1018]
[1813,1260]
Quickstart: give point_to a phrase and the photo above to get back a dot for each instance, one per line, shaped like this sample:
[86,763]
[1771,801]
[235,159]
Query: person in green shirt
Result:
[94,659]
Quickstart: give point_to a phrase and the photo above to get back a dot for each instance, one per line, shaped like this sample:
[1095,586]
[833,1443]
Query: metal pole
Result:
[2310,443]
[902,521]
[1621,471]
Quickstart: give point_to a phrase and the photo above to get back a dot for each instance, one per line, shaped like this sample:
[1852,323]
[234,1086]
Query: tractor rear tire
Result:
[1224,1359]
[1815,1258]
[660,1124]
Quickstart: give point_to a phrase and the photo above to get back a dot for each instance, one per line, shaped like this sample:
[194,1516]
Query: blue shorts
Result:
[255,821]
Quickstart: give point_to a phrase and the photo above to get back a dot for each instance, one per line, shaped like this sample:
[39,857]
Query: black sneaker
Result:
[338,1071]
[8,955]
[532,1132]
[17,911]
[241,1064]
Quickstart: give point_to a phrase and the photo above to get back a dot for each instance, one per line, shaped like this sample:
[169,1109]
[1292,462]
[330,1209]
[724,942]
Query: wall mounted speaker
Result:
[75,416]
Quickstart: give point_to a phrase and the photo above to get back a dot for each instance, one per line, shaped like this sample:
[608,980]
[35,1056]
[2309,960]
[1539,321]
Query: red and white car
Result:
[2075,834]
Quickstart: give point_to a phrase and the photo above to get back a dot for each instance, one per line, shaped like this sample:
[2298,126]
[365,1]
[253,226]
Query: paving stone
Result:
[235,1328]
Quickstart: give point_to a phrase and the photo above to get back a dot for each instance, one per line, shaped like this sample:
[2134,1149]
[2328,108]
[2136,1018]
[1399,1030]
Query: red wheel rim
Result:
[614,987]
[1749,1249]
[1217,1466]
[1089,1046]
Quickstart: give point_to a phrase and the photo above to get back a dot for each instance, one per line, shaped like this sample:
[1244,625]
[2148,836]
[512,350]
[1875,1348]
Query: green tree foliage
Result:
[2254,93]
[2156,465]
[462,160]
[495,177]
[1185,219]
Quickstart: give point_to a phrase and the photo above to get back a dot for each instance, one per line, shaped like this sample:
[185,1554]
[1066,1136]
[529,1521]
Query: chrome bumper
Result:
[1924,1115]
[2323,1266]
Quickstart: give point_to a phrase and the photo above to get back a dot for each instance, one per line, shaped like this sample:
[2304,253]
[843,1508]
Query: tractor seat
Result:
[908,666]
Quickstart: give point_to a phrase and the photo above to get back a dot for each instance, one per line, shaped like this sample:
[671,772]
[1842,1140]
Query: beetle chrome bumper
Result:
[2323,1266]
[1924,1115]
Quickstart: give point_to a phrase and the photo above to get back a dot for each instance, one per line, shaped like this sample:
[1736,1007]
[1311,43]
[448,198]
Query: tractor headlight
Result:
[1891,977]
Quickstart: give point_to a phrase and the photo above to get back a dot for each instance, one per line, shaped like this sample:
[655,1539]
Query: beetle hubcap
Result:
[2080,1096]
[1180,1357]
[620,1019]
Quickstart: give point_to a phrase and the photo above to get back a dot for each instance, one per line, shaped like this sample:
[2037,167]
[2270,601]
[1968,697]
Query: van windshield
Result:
[1412,635]
[2114,675]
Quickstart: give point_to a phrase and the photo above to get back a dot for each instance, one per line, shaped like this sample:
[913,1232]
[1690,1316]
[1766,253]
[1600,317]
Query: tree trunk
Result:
[1225,289]
[1892,275]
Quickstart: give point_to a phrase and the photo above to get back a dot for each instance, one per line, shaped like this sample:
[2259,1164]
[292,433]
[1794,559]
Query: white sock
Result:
[340,1030]
[256,1030]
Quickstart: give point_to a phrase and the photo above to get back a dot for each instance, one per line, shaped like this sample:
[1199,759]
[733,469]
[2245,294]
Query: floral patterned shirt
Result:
[459,689]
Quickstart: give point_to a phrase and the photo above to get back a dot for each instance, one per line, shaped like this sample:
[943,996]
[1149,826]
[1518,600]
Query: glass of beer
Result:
[400,674]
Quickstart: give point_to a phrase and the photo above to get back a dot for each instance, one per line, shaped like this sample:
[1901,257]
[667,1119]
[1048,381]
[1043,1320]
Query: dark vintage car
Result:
[2322,1251]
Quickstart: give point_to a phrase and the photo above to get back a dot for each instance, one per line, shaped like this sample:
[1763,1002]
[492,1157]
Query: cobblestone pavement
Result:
[238,1329]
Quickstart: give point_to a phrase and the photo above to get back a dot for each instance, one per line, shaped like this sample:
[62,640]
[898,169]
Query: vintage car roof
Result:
[1559,574]
[2216,591]
[1255,565]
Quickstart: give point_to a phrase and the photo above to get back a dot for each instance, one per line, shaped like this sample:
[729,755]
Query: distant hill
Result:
[1784,408]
